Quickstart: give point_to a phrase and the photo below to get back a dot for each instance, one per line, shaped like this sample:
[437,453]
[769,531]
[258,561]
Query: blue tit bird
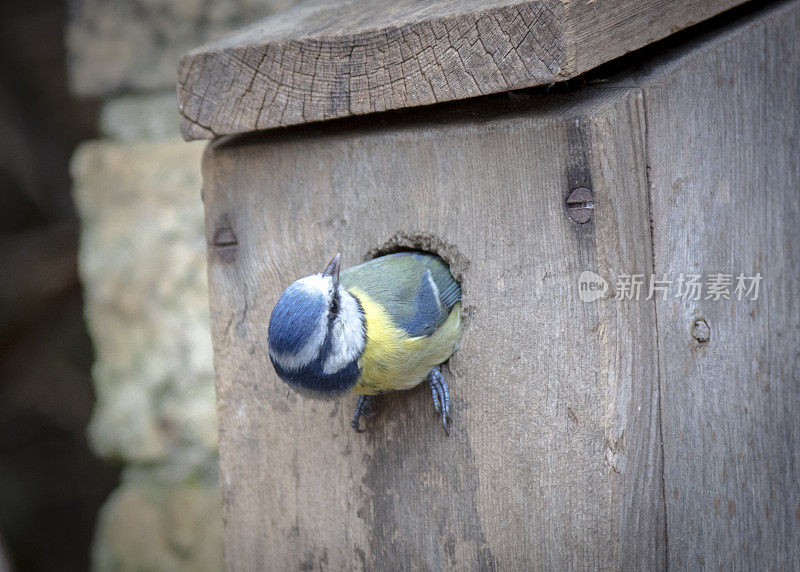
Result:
[384,325]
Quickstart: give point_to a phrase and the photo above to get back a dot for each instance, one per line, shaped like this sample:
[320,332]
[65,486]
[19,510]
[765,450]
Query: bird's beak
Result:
[333,269]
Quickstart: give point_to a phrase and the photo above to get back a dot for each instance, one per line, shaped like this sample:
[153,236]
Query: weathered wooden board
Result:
[723,147]
[327,59]
[553,459]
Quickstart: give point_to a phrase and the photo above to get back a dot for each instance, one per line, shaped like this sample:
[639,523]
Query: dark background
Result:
[51,484]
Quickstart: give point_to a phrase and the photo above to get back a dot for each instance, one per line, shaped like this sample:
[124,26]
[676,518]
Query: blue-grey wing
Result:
[416,290]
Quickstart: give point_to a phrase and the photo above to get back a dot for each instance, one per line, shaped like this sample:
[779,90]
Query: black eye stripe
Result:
[335,301]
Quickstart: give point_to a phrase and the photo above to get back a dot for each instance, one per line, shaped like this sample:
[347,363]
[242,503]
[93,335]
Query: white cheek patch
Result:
[347,335]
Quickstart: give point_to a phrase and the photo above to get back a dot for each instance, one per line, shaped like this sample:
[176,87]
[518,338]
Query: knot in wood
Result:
[700,330]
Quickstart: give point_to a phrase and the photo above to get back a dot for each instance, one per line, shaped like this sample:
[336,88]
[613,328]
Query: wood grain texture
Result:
[326,59]
[725,179]
[553,459]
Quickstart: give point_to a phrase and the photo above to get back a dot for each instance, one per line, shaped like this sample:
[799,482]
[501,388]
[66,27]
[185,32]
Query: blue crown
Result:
[295,320]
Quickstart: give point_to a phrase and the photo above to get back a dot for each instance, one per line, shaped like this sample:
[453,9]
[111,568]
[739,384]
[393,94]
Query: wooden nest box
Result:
[608,431]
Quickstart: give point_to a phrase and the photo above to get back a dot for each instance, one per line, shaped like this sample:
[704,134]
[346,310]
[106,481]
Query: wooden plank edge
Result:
[228,87]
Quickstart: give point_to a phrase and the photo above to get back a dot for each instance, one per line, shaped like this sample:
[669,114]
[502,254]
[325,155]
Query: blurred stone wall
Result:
[142,262]
[51,483]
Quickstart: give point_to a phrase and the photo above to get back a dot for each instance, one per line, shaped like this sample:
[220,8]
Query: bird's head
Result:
[316,334]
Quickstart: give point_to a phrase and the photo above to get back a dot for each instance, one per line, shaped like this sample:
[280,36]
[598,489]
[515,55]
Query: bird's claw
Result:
[441,396]
[364,408]
[439,392]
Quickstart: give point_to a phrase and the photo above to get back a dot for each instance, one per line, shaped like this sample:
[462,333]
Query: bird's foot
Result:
[365,407]
[441,396]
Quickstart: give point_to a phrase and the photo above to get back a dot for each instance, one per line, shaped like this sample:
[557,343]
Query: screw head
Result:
[580,205]
[224,237]
[225,244]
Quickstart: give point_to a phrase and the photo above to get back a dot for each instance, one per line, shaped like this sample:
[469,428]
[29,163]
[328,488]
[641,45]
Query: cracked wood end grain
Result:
[323,60]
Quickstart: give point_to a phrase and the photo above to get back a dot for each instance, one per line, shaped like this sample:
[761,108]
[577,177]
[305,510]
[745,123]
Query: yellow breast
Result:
[392,360]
